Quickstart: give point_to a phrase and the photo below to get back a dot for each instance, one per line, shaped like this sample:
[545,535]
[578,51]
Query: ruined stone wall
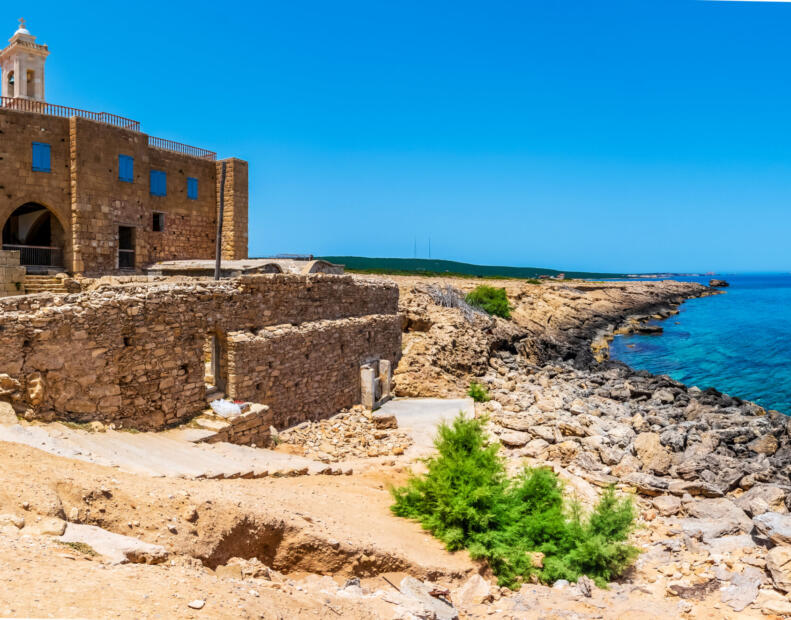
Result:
[133,354]
[85,193]
[309,371]
[12,276]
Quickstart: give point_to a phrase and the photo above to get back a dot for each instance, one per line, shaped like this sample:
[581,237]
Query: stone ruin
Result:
[139,355]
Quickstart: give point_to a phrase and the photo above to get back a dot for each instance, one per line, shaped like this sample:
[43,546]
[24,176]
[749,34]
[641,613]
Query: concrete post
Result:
[368,387]
[385,377]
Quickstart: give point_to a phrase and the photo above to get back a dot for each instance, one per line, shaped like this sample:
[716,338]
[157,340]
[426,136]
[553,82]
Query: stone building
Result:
[90,193]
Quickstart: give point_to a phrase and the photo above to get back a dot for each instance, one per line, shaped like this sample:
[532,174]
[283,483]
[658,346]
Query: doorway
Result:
[36,234]
[126,248]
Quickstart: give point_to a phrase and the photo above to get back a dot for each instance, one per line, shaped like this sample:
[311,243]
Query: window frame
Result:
[158,215]
[192,182]
[41,147]
[121,160]
[153,188]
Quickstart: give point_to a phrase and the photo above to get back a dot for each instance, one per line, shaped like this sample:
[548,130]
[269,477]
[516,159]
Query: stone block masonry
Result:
[133,354]
[89,201]
[312,370]
[12,276]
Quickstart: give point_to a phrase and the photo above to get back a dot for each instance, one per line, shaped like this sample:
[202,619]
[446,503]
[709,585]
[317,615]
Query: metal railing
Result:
[37,255]
[184,149]
[50,109]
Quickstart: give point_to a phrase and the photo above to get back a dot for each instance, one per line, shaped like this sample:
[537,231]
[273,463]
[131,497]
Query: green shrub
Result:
[491,300]
[467,501]
[478,393]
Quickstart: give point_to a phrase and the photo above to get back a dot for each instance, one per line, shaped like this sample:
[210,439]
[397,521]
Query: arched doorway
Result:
[36,233]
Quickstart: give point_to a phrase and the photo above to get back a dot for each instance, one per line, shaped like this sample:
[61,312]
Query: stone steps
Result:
[167,454]
[43,284]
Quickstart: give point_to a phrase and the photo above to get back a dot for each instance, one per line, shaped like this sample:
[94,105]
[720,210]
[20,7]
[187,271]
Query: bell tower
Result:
[22,66]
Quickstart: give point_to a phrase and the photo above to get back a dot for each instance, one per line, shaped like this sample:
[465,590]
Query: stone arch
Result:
[40,233]
[11,85]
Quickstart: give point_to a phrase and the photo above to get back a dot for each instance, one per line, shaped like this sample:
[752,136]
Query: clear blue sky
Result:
[625,135]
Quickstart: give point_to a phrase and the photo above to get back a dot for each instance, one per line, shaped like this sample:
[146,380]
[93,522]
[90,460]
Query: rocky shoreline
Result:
[710,472]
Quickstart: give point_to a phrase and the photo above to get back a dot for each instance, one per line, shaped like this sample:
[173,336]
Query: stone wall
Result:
[312,370]
[250,428]
[12,276]
[133,354]
[84,192]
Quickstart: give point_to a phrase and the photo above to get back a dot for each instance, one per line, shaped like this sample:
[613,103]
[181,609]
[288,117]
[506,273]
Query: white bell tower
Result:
[22,66]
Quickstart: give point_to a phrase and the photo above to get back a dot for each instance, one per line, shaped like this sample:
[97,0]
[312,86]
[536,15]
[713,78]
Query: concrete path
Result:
[175,453]
[157,454]
[420,417]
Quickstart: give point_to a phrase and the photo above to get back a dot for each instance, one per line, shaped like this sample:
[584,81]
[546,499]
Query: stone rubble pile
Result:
[355,433]
[711,473]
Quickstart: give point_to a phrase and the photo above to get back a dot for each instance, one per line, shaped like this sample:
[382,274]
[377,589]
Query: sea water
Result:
[738,342]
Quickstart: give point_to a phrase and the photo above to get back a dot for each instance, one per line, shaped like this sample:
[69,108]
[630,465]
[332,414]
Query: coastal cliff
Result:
[551,321]
[709,471]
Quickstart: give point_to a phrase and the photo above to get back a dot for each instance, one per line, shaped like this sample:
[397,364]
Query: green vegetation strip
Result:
[522,527]
[448,268]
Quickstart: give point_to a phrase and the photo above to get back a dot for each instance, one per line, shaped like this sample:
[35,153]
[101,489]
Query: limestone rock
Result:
[775,526]
[762,498]
[419,593]
[514,439]
[47,526]
[7,414]
[778,563]
[383,420]
[773,602]
[629,464]
[117,548]
[667,505]
[535,448]
[695,487]
[664,396]
[646,484]
[743,588]
[729,516]
[709,529]
[654,456]
[764,445]
[515,422]
[475,591]
[12,520]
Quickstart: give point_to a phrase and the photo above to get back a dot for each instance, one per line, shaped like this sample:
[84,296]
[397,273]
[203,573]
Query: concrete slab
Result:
[118,549]
[420,417]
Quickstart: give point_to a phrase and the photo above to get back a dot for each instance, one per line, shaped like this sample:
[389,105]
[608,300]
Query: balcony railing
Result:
[50,109]
[37,255]
[184,149]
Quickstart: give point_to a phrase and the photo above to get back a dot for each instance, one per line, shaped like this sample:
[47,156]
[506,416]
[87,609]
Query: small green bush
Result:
[467,501]
[491,300]
[478,393]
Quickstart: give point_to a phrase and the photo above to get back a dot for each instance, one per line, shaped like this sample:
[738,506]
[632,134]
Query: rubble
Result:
[348,435]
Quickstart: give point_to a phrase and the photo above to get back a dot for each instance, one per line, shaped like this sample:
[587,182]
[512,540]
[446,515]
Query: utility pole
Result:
[220,213]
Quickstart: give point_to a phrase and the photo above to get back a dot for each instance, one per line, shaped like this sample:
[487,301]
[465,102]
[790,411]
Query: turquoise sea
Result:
[738,343]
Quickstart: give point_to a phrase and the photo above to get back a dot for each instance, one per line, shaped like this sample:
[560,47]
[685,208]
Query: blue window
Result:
[42,158]
[192,188]
[126,168]
[159,183]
